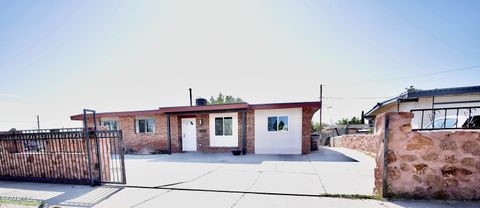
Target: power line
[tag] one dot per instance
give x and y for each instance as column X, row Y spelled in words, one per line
column 404, row 77
column 356, row 98
column 16, row 121
column 431, row 73
column 412, row 76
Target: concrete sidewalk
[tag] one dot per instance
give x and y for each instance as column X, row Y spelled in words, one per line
column 107, row 196
column 58, row 194
column 146, row 198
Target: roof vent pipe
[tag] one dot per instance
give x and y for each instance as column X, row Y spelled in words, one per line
column 191, row 101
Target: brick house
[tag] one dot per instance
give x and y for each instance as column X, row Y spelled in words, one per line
column 275, row 128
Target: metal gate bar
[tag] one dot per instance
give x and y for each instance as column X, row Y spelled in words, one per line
column 61, row 156
column 110, row 156
column 43, row 155
column 105, row 147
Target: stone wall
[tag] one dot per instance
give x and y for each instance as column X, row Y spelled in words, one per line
column 442, row 164
column 431, row 164
column 364, row 142
column 361, row 142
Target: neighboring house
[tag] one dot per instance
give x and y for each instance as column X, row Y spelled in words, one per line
column 340, row 129
column 277, row 128
column 434, row 100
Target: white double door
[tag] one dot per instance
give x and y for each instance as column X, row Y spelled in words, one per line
column 189, row 134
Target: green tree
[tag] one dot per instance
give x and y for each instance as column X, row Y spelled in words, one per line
column 411, row 89
column 317, row 128
column 222, row 99
column 346, row 121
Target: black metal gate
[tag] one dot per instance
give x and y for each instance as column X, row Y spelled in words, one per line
column 107, row 162
column 67, row 155
column 106, row 152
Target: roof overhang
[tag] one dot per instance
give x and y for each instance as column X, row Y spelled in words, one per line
column 444, row 91
column 414, row 95
column 205, row 108
column 406, row 100
column 235, row 107
column 316, row 104
column 190, row 110
column 372, row 111
column 116, row 114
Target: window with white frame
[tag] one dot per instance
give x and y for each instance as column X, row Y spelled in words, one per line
column 277, row 123
column 110, row 124
column 145, row 125
column 223, row 126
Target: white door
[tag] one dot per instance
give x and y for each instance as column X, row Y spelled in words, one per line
column 189, row 134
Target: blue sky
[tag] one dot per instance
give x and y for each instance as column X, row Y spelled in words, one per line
column 58, row 57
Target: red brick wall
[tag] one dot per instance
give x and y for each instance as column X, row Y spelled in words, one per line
column 307, row 114
column 150, row 142
column 250, row 131
column 90, row 122
column 175, row 132
column 143, row 142
column 203, row 135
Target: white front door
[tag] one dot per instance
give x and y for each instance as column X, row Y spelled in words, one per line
column 189, row 134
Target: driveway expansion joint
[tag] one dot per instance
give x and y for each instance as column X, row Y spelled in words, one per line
column 345, row 196
column 149, row 199
column 318, row 175
column 191, row 180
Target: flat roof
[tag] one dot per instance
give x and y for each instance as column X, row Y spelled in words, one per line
column 286, row 105
column 425, row 93
column 119, row 113
column 192, row 109
column 444, row 91
column 204, row 109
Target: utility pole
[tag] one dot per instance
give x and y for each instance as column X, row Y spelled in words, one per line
column 38, row 122
column 320, row 112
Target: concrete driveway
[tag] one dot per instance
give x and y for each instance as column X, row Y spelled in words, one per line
column 328, row 171
column 331, row 170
